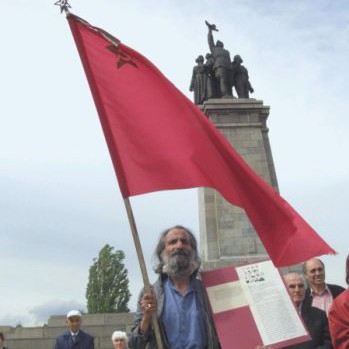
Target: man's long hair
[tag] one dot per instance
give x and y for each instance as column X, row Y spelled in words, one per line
column 158, row 260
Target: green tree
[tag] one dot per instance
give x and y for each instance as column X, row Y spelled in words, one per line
column 107, row 289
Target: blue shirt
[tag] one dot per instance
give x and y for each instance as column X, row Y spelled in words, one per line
column 183, row 318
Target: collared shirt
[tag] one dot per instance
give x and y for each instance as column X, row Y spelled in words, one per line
column 299, row 308
column 74, row 334
column 183, row 318
column 322, row 301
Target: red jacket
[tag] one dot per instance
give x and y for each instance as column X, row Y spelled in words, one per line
column 338, row 318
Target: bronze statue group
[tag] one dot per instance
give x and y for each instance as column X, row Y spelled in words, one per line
column 216, row 77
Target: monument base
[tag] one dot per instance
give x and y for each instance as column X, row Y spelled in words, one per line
column 227, row 237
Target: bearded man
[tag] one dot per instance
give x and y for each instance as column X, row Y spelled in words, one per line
column 178, row 298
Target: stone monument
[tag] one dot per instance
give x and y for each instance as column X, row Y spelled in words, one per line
column 217, row 77
column 226, row 235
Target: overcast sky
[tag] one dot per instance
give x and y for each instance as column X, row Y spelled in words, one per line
column 59, row 199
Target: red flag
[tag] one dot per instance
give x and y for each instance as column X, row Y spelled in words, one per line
column 158, row 140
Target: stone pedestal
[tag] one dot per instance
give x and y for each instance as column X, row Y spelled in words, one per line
column 227, row 236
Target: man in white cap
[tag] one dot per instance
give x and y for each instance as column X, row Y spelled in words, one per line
column 74, row 338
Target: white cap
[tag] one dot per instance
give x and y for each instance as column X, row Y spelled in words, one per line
column 73, row 313
column 119, row 334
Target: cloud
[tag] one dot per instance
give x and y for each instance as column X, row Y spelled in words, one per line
column 15, row 319
column 42, row 312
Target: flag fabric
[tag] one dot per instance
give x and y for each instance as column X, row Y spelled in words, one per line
column 159, row 140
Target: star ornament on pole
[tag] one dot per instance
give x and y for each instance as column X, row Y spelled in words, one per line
column 64, row 5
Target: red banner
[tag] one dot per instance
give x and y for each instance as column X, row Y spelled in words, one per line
column 158, row 140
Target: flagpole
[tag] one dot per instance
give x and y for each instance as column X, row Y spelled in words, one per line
column 64, row 6
column 147, row 285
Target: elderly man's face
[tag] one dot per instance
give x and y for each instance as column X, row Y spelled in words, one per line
column 178, row 256
column 119, row 343
column 296, row 288
column 175, row 240
column 74, row 323
column 315, row 272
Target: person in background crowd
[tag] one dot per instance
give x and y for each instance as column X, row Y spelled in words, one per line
column 119, row 340
column 74, row 338
column 319, row 294
column 2, row 341
column 314, row 319
column 338, row 317
column 178, row 298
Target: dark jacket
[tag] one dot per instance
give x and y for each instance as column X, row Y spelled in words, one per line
column 148, row 340
column 83, row 341
column 334, row 289
column 316, row 322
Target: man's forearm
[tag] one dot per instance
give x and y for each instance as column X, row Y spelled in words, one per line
column 145, row 324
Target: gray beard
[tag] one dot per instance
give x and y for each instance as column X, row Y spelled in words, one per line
column 181, row 263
